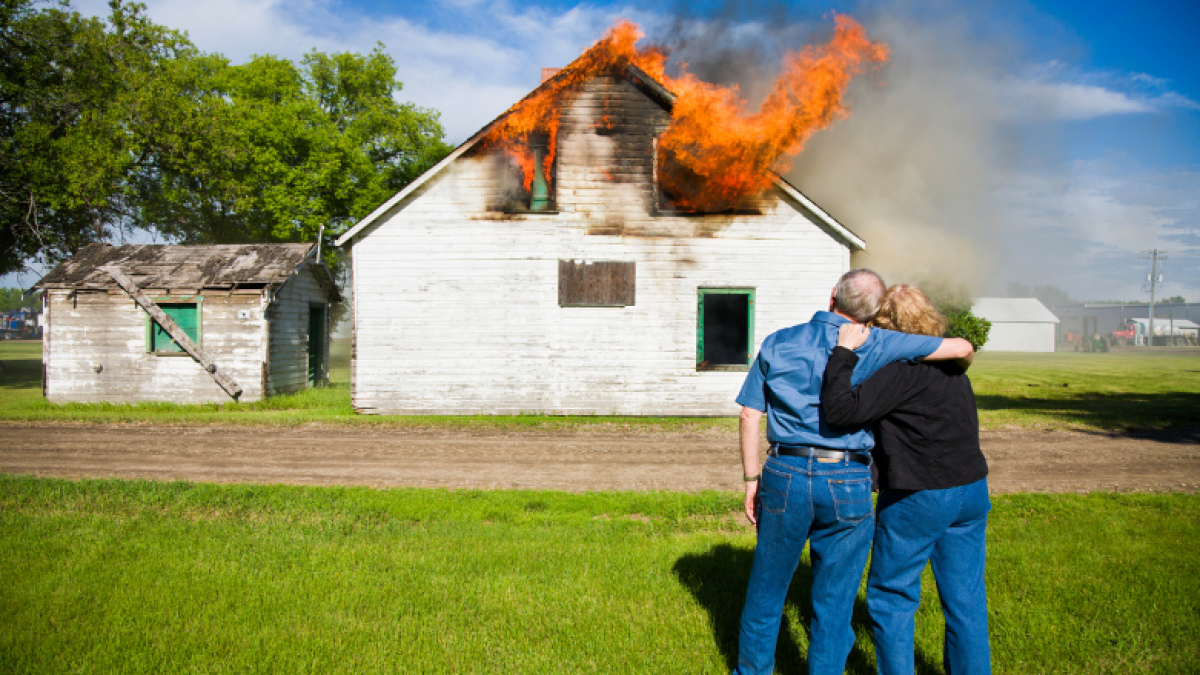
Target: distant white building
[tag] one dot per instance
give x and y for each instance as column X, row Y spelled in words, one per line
column 1018, row 324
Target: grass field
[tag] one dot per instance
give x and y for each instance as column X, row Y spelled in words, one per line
column 1144, row 389
column 134, row 577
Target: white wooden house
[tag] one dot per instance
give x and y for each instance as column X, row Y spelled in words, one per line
column 473, row 297
column 254, row 321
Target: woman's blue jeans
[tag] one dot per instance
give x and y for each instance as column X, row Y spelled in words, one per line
column 829, row 505
column 945, row 528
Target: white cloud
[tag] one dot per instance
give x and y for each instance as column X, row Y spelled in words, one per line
column 1085, row 230
column 1051, row 91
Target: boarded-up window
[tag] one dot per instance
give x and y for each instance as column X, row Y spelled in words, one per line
column 725, row 328
column 595, row 283
column 186, row 315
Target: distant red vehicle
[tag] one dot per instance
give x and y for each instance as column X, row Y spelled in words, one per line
column 1126, row 336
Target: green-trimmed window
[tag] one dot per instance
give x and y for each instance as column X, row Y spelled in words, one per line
column 725, row 328
column 186, row 315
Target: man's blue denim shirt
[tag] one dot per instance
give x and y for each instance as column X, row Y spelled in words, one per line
column 785, row 380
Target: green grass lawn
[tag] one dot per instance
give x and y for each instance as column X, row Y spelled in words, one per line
column 1151, row 389
column 139, row 577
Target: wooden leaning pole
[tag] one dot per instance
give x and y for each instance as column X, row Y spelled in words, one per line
column 168, row 324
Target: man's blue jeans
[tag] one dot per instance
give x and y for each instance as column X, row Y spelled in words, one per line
column 828, row 504
column 946, row 528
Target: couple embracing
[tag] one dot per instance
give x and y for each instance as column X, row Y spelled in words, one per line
column 823, row 386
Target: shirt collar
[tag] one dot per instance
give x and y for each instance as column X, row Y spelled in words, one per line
column 830, row 318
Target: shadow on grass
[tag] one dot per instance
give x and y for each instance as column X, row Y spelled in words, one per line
column 1112, row 411
column 21, row 374
column 718, row 581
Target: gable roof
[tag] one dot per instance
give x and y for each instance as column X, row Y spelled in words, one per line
column 648, row 85
column 1013, row 310
column 199, row 267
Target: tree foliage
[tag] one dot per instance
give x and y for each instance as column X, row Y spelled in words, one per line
column 70, row 123
column 1047, row 295
column 120, row 124
column 13, row 300
column 955, row 305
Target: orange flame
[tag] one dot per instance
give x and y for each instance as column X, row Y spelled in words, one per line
column 714, row 153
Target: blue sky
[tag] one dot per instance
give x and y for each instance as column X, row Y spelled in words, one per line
column 1042, row 142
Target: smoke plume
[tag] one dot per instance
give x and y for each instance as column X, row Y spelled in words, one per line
column 913, row 167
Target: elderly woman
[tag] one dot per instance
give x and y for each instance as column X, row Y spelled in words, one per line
column 933, row 502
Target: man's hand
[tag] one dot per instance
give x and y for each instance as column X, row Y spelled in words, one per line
column 751, row 503
column 749, row 438
column 852, row 335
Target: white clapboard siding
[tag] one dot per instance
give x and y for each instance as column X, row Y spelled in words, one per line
column 97, row 351
column 456, row 305
column 288, row 319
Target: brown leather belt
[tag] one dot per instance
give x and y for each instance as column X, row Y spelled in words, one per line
column 820, row 453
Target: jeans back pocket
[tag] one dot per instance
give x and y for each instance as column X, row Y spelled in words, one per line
column 851, row 498
column 773, row 490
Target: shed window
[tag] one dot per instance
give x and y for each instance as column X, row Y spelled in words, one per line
column 724, row 328
column 186, row 315
column 599, row 283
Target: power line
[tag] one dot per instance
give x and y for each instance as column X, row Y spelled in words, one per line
column 1154, row 256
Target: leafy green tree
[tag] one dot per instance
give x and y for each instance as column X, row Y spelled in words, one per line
column 10, row 300
column 119, row 124
column 71, row 90
column 1174, row 300
column 277, row 151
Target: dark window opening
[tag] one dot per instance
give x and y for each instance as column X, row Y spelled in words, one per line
column 538, row 194
column 186, row 315
column 725, row 330
column 316, row 345
column 588, row 283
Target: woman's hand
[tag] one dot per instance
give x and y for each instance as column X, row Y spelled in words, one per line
column 852, row 335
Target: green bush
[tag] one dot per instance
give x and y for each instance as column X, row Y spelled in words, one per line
column 955, row 305
column 971, row 328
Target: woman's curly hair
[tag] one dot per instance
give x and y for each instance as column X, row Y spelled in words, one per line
column 907, row 309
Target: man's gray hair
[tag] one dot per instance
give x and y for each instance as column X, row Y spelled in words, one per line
column 858, row 294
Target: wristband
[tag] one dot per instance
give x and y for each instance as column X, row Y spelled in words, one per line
column 751, row 479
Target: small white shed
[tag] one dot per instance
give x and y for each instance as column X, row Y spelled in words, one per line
column 186, row 324
column 1018, row 324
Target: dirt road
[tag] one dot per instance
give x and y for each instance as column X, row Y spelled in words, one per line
column 1020, row 460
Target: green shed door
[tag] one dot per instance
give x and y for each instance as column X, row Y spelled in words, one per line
column 316, row 344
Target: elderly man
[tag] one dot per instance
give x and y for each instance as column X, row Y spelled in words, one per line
column 816, row 483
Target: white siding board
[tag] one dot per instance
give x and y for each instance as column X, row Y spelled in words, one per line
column 109, row 331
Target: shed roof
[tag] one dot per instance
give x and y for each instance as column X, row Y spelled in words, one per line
column 168, row 266
column 1013, row 310
column 647, row 84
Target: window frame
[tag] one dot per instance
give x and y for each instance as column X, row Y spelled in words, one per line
column 163, row 302
column 701, row 293
column 517, row 199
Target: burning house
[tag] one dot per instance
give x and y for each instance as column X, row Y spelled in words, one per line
column 618, row 242
column 186, row 324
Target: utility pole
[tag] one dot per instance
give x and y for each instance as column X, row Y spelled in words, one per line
column 1154, row 255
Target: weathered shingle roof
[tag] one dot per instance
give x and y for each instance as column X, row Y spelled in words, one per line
column 165, row 266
